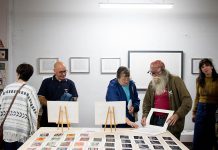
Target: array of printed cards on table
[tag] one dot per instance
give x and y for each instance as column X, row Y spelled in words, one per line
column 100, row 141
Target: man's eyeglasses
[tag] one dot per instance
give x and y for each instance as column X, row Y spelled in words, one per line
column 63, row 72
column 154, row 73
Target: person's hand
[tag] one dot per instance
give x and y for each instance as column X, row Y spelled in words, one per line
column 132, row 124
column 172, row 120
column 131, row 109
column 143, row 121
column 43, row 100
column 193, row 117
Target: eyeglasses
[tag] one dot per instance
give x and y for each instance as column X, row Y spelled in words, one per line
column 63, row 72
column 154, row 73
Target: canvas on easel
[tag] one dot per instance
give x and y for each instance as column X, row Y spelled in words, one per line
column 110, row 113
column 63, row 112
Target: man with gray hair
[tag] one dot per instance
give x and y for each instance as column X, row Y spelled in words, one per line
column 168, row 92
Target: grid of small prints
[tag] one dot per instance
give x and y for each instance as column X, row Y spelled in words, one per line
column 81, row 141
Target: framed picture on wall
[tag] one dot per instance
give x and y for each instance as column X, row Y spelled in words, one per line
column 46, row 65
column 194, row 65
column 139, row 65
column 110, row 65
column 3, row 54
column 79, row 64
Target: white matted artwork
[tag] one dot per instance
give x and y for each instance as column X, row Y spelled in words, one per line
column 71, row 107
column 79, row 64
column 155, row 129
column 101, row 110
column 46, row 65
column 195, row 65
column 139, row 65
column 110, row 65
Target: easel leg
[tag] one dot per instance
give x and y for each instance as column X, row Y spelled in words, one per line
column 59, row 117
column 106, row 118
column 111, row 120
column 68, row 124
column 62, row 121
column 114, row 119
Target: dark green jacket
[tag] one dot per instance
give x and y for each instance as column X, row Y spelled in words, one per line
column 180, row 101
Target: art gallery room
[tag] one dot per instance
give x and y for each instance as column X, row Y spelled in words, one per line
column 93, row 39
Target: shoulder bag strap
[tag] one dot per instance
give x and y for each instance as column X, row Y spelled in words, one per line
column 11, row 104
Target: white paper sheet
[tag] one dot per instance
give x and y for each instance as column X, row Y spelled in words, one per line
column 101, row 110
column 72, row 111
column 154, row 129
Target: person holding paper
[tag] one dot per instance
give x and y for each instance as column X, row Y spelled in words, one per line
column 168, row 92
column 124, row 89
column 56, row 88
column 205, row 106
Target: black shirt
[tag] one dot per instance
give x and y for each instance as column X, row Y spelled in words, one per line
column 52, row 89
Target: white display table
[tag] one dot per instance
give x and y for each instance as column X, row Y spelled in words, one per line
column 98, row 139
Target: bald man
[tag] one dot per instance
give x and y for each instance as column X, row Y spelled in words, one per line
column 56, row 88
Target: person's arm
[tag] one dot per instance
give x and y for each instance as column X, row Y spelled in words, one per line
column 73, row 91
column 43, row 100
column 43, row 92
column 135, row 98
column 184, row 98
column 112, row 93
column 143, row 121
column 147, row 102
column 33, row 111
column 195, row 102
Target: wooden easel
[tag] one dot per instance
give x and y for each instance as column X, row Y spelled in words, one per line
column 112, row 118
column 61, row 118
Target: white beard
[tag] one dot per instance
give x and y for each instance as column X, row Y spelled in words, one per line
column 159, row 84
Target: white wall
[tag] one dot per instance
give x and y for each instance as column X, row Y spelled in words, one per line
column 78, row 28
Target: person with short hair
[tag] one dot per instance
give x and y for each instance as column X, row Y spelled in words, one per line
column 205, row 106
column 123, row 88
column 21, row 121
column 56, row 88
column 166, row 91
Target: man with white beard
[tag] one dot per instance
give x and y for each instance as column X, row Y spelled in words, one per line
column 168, row 92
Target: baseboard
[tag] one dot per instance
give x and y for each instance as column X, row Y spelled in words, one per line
column 187, row 136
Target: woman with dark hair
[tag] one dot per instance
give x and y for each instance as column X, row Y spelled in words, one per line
column 205, row 106
column 124, row 89
column 21, row 121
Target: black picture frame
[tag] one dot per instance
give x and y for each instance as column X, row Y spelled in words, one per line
column 3, row 54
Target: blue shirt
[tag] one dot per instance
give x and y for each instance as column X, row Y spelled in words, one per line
column 126, row 90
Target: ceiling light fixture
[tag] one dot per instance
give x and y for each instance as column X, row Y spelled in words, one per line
column 149, row 5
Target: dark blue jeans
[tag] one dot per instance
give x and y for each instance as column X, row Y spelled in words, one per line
column 204, row 130
column 12, row 146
